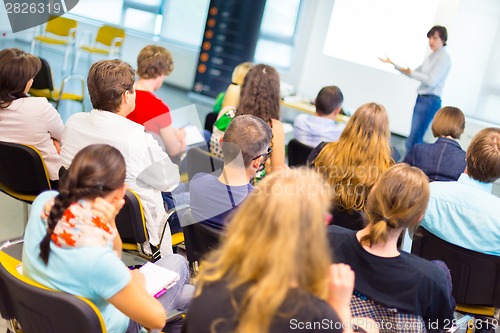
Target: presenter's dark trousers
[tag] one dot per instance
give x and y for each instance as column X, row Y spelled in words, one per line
column 426, row 107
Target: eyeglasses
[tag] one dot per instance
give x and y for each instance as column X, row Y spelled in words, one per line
column 267, row 153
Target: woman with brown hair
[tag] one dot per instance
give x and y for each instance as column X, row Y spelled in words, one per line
column 443, row 160
column 71, row 244
column 354, row 163
column 260, row 97
column 270, row 273
column 28, row 120
column 413, row 290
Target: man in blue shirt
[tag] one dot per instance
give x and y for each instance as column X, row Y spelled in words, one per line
column 465, row 213
column 312, row 130
column 245, row 145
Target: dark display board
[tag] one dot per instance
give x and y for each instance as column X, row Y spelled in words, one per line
column 230, row 38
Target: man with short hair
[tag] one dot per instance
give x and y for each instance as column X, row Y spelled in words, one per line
column 245, row 145
column 312, row 130
column 465, row 213
column 149, row 169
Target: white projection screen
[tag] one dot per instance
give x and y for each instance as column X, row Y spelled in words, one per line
column 362, row 30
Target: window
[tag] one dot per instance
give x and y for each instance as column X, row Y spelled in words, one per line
column 277, row 32
column 183, row 21
column 109, row 11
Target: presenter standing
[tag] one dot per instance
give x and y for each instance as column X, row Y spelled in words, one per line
column 432, row 75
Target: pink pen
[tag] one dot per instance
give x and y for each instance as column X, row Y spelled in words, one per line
column 161, row 292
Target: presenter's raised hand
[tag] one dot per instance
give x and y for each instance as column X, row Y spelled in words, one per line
column 387, row 60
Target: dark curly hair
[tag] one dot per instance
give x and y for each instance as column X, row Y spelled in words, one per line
column 96, row 171
column 260, row 93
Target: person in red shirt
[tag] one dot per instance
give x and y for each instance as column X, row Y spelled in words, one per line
column 153, row 64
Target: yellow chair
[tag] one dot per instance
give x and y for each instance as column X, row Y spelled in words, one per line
column 58, row 31
column 43, row 86
column 108, row 42
column 31, row 307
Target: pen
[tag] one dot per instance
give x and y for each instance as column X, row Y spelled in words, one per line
column 161, row 292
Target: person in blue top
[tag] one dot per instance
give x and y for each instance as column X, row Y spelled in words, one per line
column 432, row 75
column 443, row 160
column 311, row 130
column 465, row 212
column 245, row 146
column 71, row 244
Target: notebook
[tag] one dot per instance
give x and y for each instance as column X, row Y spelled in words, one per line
column 193, row 135
column 158, row 279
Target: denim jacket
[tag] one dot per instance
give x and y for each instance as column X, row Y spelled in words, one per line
column 443, row 160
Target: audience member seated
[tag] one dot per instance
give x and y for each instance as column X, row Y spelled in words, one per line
column 260, row 97
column 28, row 120
column 444, row 160
column 413, row 290
column 465, row 213
column 270, row 273
column 149, row 169
column 354, row 163
column 312, row 130
column 245, row 145
column 153, row 64
column 231, row 96
column 71, row 244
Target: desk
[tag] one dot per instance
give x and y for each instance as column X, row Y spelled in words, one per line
column 304, row 107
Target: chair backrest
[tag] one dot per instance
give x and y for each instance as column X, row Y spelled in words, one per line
column 23, row 174
column 43, row 79
column 199, row 238
column 475, row 275
column 298, row 153
column 106, row 34
column 61, row 26
column 199, row 160
column 39, row 309
column 130, row 221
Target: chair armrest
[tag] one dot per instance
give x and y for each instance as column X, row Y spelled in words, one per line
column 72, row 34
column 6, row 244
column 86, row 34
column 114, row 45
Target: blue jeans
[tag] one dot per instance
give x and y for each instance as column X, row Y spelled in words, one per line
column 425, row 108
column 178, row 296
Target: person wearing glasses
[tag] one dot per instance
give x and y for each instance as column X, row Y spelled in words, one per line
column 246, row 146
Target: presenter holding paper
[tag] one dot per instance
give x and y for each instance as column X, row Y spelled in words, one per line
column 432, row 75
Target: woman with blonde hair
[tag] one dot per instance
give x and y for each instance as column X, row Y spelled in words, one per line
column 443, row 160
column 354, row 163
column 271, row 272
column 232, row 94
column 414, row 290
